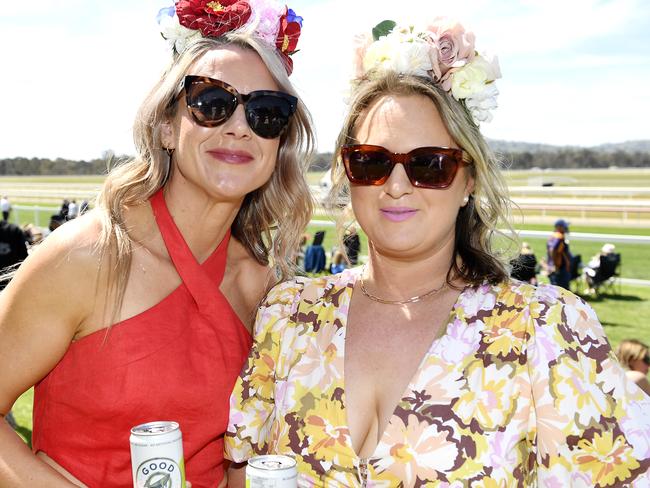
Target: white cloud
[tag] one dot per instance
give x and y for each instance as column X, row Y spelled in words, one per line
column 76, row 71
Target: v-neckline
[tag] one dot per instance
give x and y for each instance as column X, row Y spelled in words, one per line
column 413, row 380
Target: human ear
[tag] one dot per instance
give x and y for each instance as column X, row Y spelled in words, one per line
column 167, row 134
column 469, row 189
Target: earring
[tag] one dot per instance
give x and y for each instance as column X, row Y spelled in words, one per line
column 465, row 200
column 168, row 169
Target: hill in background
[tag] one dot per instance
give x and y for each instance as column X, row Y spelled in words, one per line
column 502, row 146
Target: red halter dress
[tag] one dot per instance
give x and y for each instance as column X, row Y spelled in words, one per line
column 177, row 361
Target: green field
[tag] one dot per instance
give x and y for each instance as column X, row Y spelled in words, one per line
column 618, row 177
column 57, row 180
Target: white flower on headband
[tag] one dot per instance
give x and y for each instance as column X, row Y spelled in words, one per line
column 399, row 51
column 481, row 104
column 443, row 52
column 176, row 35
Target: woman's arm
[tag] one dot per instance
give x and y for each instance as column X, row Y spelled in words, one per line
column 40, row 312
column 590, row 424
column 237, row 475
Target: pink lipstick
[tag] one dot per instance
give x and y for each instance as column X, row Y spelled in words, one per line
column 231, row 156
column 398, row 214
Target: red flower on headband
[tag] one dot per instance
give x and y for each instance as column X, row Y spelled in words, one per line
column 213, row 18
column 289, row 32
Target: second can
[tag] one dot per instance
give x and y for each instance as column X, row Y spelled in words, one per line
column 271, row 471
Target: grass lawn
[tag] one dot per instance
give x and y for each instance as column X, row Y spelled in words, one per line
column 628, row 230
column 630, row 177
column 98, row 179
column 22, row 412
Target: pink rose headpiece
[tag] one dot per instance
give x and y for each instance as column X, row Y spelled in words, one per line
column 273, row 23
column 443, row 51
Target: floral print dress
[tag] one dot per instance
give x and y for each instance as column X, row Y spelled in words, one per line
column 522, row 389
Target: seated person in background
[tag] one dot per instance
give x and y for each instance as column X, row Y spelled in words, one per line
column 13, row 246
column 634, row 356
column 593, row 267
column 315, row 254
column 338, row 263
column 352, row 245
column 524, row 266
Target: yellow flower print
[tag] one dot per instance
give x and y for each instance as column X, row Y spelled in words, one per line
column 608, row 459
column 417, row 449
column 327, row 439
column 488, row 482
column 321, row 365
column 263, row 376
column 488, row 398
column 577, row 392
column 507, row 335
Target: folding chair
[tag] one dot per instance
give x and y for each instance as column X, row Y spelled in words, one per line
column 608, row 274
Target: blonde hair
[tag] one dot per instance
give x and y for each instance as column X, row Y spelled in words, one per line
column 488, row 206
column 271, row 218
column 630, row 350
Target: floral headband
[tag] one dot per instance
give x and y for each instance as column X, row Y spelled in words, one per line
column 276, row 25
column 443, row 51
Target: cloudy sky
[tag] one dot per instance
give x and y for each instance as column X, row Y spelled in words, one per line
column 574, row 72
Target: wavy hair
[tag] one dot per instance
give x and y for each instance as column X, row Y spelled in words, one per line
column 489, row 203
column 630, row 350
column 271, row 219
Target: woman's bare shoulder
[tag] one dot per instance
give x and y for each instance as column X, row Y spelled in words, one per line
column 73, row 246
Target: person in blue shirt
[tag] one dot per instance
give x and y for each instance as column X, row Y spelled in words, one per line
column 315, row 254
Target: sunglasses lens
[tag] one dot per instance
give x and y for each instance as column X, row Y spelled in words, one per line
column 431, row 169
column 367, row 166
column 646, row 360
column 210, row 105
column 268, row 115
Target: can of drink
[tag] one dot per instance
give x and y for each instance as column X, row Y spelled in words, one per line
column 157, row 455
column 272, row 471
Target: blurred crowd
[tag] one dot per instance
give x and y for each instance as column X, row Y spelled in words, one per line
column 313, row 258
column 564, row 267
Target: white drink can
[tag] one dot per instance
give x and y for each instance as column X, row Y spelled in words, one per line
column 272, row 471
column 157, row 455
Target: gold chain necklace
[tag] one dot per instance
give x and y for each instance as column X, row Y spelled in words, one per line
column 414, row 299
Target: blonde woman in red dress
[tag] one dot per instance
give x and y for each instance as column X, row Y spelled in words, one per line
column 141, row 309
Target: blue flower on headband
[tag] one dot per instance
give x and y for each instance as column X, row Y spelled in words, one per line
column 292, row 17
column 165, row 12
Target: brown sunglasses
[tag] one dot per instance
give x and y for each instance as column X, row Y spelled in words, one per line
column 426, row 167
column 211, row 102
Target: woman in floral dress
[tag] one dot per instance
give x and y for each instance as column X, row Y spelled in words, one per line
column 429, row 365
